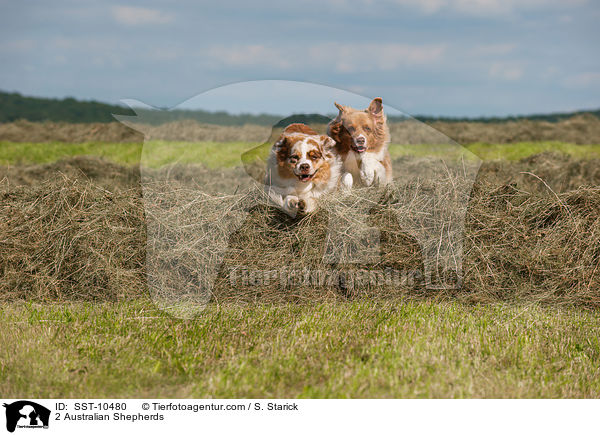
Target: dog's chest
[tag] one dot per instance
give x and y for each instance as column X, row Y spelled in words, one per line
column 352, row 163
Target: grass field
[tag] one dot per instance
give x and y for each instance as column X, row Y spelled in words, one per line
column 361, row 349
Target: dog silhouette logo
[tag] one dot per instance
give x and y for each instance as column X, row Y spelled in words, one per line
column 26, row 414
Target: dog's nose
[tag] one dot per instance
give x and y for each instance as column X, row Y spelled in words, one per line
column 304, row 167
column 360, row 140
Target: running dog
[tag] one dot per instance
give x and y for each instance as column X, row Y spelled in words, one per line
column 302, row 167
column 362, row 138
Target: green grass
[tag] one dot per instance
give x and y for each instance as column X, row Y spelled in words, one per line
column 361, row 349
column 210, row 154
column 229, row 154
column 13, row 153
column 155, row 153
column 521, row 150
column 515, row 151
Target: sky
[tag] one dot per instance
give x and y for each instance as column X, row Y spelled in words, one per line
column 425, row 57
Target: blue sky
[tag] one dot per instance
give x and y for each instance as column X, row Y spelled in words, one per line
column 434, row 57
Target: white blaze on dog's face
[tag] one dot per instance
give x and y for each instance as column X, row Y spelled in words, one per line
column 304, row 156
column 364, row 127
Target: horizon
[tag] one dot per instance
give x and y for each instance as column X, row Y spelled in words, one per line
column 140, row 105
column 439, row 58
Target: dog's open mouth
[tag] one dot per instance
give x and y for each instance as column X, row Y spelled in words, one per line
column 359, row 148
column 306, row 177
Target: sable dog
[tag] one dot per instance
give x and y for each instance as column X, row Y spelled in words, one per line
column 362, row 138
column 302, row 167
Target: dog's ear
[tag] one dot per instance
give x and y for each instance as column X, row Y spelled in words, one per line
column 333, row 130
column 281, row 147
column 376, row 107
column 339, row 106
column 327, row 145
column 327, row 142
column 281, row 142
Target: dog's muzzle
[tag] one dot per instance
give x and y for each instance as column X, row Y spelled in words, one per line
column 305, row 177
column 359, row 144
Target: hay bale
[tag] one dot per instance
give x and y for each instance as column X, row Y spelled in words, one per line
column 75, row 237
column 523, row 246
column 84, row 168
column 581, row 129
column 26, row 131
column 70, row 239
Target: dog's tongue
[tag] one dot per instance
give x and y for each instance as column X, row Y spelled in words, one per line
column 360, row 148
column 304, row 177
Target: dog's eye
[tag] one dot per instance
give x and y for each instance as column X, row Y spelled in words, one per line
column 367, row 128
column 293, row 159
column 351, row 129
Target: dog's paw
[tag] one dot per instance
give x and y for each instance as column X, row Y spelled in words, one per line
column 302, row 206
column 291, row 205
column 367, row 176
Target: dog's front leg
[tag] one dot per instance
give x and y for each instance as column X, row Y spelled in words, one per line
column 286, row 203
column 307, row 205
column 367, row 172
column 380, row 174
column 291, row 205
column 347, row 181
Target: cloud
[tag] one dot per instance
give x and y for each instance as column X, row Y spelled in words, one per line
column 137, row 16
column 343, row 58
column 505, row 71
column 505, row 7
column 350, row 58
column 425, row 6
column 251, row 55
column 549, row 72
column 481, row 7
column 492, row 49
column 16, row 46
column 583, row 80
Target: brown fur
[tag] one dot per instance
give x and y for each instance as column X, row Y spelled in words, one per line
column 285, row 144
column 302, row 167
column 299, row 128
column 323, row 175
column 370, row 123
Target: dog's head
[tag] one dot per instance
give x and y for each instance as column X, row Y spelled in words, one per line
column 362, row 129
column 303, row 153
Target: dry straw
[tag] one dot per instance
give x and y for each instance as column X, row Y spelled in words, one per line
column 583, row 129
column 69, row 232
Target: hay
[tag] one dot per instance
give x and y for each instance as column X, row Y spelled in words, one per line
column 26, row 131
column 528, row 238
column 529, row 247
column 583, row 129
column 559, row 171
column 84, row 168
column 70, row 239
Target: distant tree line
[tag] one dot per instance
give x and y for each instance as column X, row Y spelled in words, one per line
column 14, row 106
column 549, row 117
